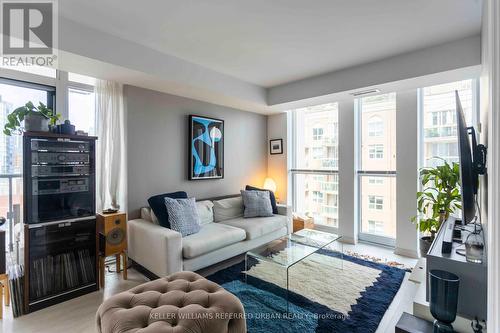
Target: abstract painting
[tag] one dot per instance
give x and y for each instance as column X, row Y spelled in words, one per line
column 206, row 148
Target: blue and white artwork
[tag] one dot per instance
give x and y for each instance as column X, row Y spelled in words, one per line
column 206, row 148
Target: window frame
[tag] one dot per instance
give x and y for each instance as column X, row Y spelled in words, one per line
column 376, row 205
column 377, row 132
column 317, row 136
column 378, row 151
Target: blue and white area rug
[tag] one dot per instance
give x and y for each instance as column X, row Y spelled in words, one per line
column 327, row 294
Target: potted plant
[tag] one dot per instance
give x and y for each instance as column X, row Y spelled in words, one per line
column 440, row 196
column 36, row 118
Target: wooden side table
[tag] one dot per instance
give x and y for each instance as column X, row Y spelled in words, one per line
column 112, row 230
column 302, row 222
column 4, row 292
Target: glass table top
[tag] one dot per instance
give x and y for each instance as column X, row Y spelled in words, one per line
column 289, row 250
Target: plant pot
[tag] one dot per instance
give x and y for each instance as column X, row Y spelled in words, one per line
column 36, row 122
column 425, row 245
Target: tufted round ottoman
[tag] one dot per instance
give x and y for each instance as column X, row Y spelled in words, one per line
column 181, row 302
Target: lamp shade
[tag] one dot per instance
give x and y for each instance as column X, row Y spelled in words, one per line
column 270, row 184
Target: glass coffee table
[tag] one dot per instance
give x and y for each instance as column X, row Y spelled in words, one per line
column 291, row 249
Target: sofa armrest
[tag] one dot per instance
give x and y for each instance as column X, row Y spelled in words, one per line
column 283, row 209
column 286, row 211
column 154, row 247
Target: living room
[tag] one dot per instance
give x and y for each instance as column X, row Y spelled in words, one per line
column 232, row 166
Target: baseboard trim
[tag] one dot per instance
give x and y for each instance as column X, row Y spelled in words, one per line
column 143, row 270
column 349, row 240
column 406, row 252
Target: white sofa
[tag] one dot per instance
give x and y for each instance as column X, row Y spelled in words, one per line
column 224, row 234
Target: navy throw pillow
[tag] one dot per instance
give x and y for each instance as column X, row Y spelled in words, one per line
column 271, row 196
column 157, row 204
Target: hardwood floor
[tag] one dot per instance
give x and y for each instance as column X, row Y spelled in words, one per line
column 78, row 315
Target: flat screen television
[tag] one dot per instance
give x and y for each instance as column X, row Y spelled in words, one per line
column 472, row 160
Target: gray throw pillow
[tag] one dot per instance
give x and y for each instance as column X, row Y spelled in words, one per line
column 183, row 215
column 257, row 203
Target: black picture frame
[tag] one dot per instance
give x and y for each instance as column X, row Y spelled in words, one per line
column 218, row 168
column 276, row 146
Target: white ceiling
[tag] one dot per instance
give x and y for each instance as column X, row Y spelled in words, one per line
column 271, row 42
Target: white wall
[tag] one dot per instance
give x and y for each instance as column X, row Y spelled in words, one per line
column 157, row 145
column 277, row 167
column 490, row 103
column 407, row 172
column 348, row 226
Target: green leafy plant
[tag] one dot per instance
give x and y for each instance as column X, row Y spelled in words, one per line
column 440, row 193
column 15, row 118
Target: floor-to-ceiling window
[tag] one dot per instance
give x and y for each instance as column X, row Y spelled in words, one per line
column 376, row 170
column 81, row 102
column 315, row 163
column 14, row 94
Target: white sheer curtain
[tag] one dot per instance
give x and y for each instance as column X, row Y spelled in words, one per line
column 111, row 169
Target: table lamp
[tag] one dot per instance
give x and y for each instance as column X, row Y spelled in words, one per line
column 269, row 184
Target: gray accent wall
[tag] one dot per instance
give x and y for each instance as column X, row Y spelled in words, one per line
column 157, row 147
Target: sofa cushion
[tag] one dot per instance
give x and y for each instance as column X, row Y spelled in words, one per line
column 157, row 204
column 272, row 197
column 227, row 209
column 205, row 211
column 258, row 226
column 183, row 215
column 211, row 237
column 257, row 204
column 148, row 215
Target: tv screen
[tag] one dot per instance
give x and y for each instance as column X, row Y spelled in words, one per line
column 468, row 176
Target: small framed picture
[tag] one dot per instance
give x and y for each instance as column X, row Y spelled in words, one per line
column 276, row 146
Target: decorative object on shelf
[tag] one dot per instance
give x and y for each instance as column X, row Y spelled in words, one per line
column 36, row 119
column 206, row 148
column 80, row 132
column 302, row 222
column 474, row 245
column 112, row 230
column 110, row 211
column 64, row 128
column 276, row 146
column 440, row 196
column 443, row 299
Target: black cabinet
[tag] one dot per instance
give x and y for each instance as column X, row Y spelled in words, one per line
column 59, row 214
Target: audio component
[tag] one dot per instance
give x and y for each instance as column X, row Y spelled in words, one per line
column 59, row 170
column 60, row 145
column 113, row 233
column 59, row 186
column 112, row 230
column 59, row 158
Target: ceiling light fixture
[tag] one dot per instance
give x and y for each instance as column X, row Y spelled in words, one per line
column 364, row 92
